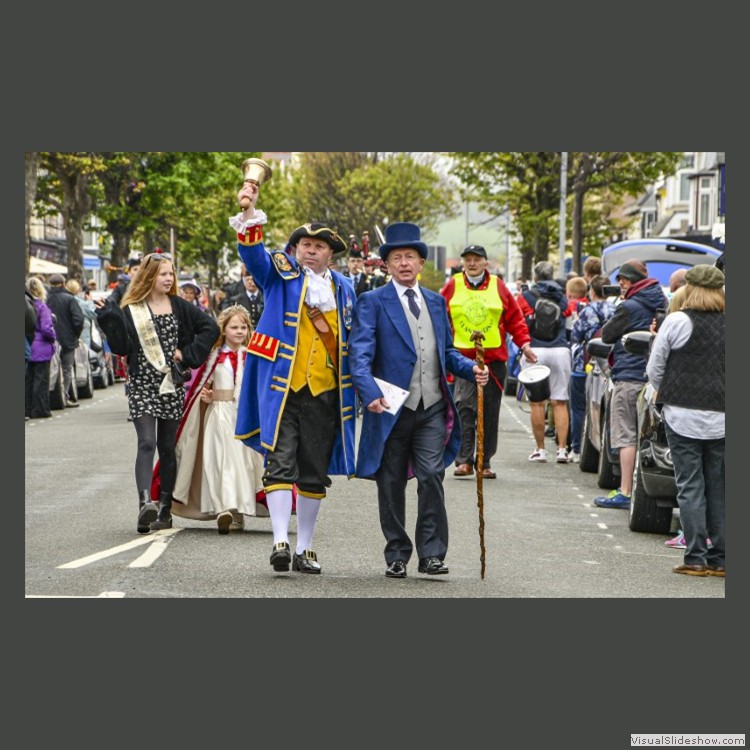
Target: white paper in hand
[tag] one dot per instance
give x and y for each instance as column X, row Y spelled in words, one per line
column 394, row 395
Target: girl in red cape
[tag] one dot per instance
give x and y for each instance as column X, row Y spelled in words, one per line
column 218, row 477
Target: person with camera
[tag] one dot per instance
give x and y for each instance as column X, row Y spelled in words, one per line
column 162, row 336
column 642, row 296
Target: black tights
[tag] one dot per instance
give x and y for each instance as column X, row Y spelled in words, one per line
column 148, row 442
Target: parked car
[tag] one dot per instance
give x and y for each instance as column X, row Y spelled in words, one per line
column 596, row 454
column 83, row 376
column 654, row 495
column 662, row 256
column 100, row 358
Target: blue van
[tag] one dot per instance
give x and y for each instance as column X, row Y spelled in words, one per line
column 662, row 256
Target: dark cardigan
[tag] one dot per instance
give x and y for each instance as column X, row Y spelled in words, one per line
column 197, row 332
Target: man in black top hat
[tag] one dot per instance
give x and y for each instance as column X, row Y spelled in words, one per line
column 401, row 335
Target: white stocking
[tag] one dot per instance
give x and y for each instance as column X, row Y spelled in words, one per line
column 280, row 509
column 307, row 515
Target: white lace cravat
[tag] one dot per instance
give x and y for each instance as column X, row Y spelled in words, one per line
column 319, row 291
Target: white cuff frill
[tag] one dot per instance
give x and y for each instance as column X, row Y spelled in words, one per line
column 239, row 226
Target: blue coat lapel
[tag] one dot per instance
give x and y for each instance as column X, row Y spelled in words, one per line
column 395, row 310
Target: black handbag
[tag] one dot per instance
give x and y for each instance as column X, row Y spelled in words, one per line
column 180, row 373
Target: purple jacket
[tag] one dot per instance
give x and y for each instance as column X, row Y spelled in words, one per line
column 43, row 345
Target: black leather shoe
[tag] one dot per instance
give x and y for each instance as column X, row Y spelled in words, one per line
column 307, row 562
column 281, row 556
column 433, row 566
column 397, row 569
column 147, row 512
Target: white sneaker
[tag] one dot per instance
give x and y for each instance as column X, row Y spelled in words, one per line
column 574, row 458
column 539, row 455
column 562, row 456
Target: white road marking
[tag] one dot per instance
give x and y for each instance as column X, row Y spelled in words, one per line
column 103, row 595
column 150, row 539
column 591, row 562
column 153, row 552
column 602, row 525
column 526, row 426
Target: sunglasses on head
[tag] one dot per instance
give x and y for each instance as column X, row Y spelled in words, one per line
column 158, row 256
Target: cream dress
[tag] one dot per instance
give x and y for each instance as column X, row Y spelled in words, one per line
column 216, row 472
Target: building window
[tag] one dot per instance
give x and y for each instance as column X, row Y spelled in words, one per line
column 648, row 219
column 684, row 187
column 705, row 203
column 54, row 229
column 688, row 161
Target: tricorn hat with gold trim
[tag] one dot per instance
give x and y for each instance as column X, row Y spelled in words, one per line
column 321, row 231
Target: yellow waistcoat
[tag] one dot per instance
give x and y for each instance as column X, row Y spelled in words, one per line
column 312, row 366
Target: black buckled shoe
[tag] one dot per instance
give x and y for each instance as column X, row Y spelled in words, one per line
column 433, row 566
column 397, row 569
column 281, row 556
column 307, row 562
column 164, row 513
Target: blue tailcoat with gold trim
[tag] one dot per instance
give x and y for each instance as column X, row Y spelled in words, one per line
column 273, row 347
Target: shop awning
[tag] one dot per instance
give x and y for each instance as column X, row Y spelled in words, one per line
column 37, row 265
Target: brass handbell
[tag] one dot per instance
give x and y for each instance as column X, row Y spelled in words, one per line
column 257, row 171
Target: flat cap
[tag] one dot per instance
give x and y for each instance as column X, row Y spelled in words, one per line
column 706, row 276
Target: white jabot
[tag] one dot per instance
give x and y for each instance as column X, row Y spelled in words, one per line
column 240, row 226
column 319, row 290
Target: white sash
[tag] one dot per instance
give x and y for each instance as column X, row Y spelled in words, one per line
column 144, row 325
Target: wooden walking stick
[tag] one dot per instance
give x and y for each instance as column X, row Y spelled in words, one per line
column 477, row 337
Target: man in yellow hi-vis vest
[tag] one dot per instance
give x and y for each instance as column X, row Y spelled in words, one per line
column 479, row 301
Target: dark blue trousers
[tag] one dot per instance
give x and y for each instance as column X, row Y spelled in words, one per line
column 416, row 443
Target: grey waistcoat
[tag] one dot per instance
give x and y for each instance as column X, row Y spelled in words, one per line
column 425, row 380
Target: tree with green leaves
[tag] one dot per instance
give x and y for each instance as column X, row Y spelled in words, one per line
column 32, row 159
column 63, row 187
column 528, row 185
column 355, row 191
column 615, row 174
column 117, row 194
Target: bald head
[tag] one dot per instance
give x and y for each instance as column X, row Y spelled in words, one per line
column 677, row 279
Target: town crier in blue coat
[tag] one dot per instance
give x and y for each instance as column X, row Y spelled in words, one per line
column 297, row 401
column 401, row 335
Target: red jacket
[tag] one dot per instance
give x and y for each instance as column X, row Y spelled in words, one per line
column 511, row 321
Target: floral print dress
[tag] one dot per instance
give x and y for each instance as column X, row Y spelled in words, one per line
column 143, row 387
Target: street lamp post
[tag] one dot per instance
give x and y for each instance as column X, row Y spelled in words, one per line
column 563, row 189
